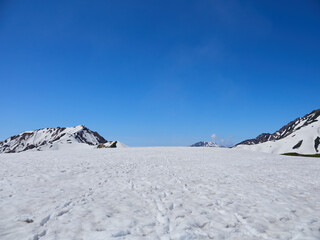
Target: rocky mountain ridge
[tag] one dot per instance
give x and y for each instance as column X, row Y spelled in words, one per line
column 301, row 135
column 204, row 144
column 50, row 138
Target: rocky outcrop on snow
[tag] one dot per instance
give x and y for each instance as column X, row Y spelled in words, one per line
column 51, row 138
column 112, row 144
column 300, row 136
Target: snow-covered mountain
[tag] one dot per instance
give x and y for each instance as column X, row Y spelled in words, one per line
column 51, row 138
column 300, row 136
column 204, row 144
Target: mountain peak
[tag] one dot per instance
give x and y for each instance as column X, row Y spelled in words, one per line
column 204, row 144
column 50, row 138
column 301, row 135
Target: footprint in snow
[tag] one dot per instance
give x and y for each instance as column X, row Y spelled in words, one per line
column 45, row 220
column 62, row 212
column 39, row 235
column 121, row 234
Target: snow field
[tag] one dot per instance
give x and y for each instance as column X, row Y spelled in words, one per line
column 158, row 193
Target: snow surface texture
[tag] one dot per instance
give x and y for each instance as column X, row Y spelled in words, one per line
column 301, row 136
column 51, row 139
column 204, row 144
column 158, row 193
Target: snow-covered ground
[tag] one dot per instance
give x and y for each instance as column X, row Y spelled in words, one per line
column 158, row 193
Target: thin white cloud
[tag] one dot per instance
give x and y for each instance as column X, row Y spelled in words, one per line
column 213, row 137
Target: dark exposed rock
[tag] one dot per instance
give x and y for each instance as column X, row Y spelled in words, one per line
column 260, row 139
column 111, row 144
column 316, row 144
column 297, row 145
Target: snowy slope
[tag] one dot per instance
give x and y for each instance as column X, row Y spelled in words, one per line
column 51, row 138
column 158, row 193
column 301, row 136
column 204, row 144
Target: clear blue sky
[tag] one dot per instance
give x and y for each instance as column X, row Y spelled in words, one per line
column 152, row 73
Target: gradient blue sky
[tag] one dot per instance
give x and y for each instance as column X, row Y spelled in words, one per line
column 152, row 73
